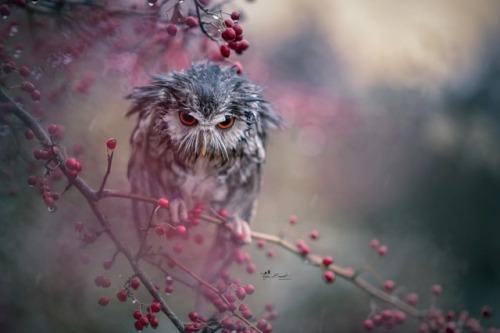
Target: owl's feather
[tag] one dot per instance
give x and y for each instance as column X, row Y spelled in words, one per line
column 167, row 157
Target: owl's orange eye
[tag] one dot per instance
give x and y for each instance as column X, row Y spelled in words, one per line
column 186, row 119
column 227, row 123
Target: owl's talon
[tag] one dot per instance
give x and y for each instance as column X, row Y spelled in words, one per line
column 241, row 230
column 178, row 211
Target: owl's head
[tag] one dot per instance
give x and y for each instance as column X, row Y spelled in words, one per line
column 206, row 111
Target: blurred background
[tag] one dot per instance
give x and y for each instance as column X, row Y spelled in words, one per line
column 393, row 133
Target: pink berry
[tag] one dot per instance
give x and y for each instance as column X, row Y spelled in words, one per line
column 368, row 324
column 389, row 285
column 135, row 284
column 178, row 248
column 327, row 261
column 314, row 234
column 374, row 243
column 436, row 289
column 52, row 129
column 111, row 143
column 107, row 264
column 72, row 163
column 172, row 29
column 399, row 316
column 103, row 300
column 486, row 312
column 293, row 219
column 180, row 229
column 191, row 21
column 235, row 16
column 24, row 71
column 238, row 66
column 193, row 315
column 251, row 268
column 412, row 299
column 240, row 293
column 198, row 239
column 28, row 134
column 32, row 180
column 225, row 51
column 382, row 250
column 223, row 213
column 27, row 86
column 122, row 295
column 249, row 289
column 329, row 276
column 36, row 95
column 262, row 324
column 163, row 202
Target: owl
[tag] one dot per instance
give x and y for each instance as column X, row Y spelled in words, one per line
column 200, row 138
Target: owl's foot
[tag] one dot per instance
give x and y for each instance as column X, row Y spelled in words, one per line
column 240, row 230
column 178, row 211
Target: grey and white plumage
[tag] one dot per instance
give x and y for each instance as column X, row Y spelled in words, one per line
column 182, row 150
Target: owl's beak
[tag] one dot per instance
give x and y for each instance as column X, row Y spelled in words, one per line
column 203, row 145
column 203, row 148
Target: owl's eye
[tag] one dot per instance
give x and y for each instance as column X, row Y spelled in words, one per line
column 227, row 123
column 186, row 119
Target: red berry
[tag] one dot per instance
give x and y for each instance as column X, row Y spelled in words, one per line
column 262, row 324
column 191, row 21
column 329, row 276
column 24, row 71
column 228, row 23
column 4, row 10
column 27, row 86
column 399, row 316
column 242, row 45
column 111, row 143
column 169, row 289
column 314, row 234
column 193, row 315
column 122, row 295
column 228, row 34
column 235, row 16
column 237, row 29
column 154, row 322
column 138, row 325
column 72, row 163
column 107, row 264
column 389, row 285
column 327, row 261
column 172, row 29
column 103, row 300
column 155, row 306
column 28, row 134
column 163, row 202
column 52, row 129
column 32, row 180
column 225, row 51
column 135, row 284
column 36, row 95
column 137, row 314
column 486, row 312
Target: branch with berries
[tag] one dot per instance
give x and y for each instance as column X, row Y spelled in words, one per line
column 226, row 291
